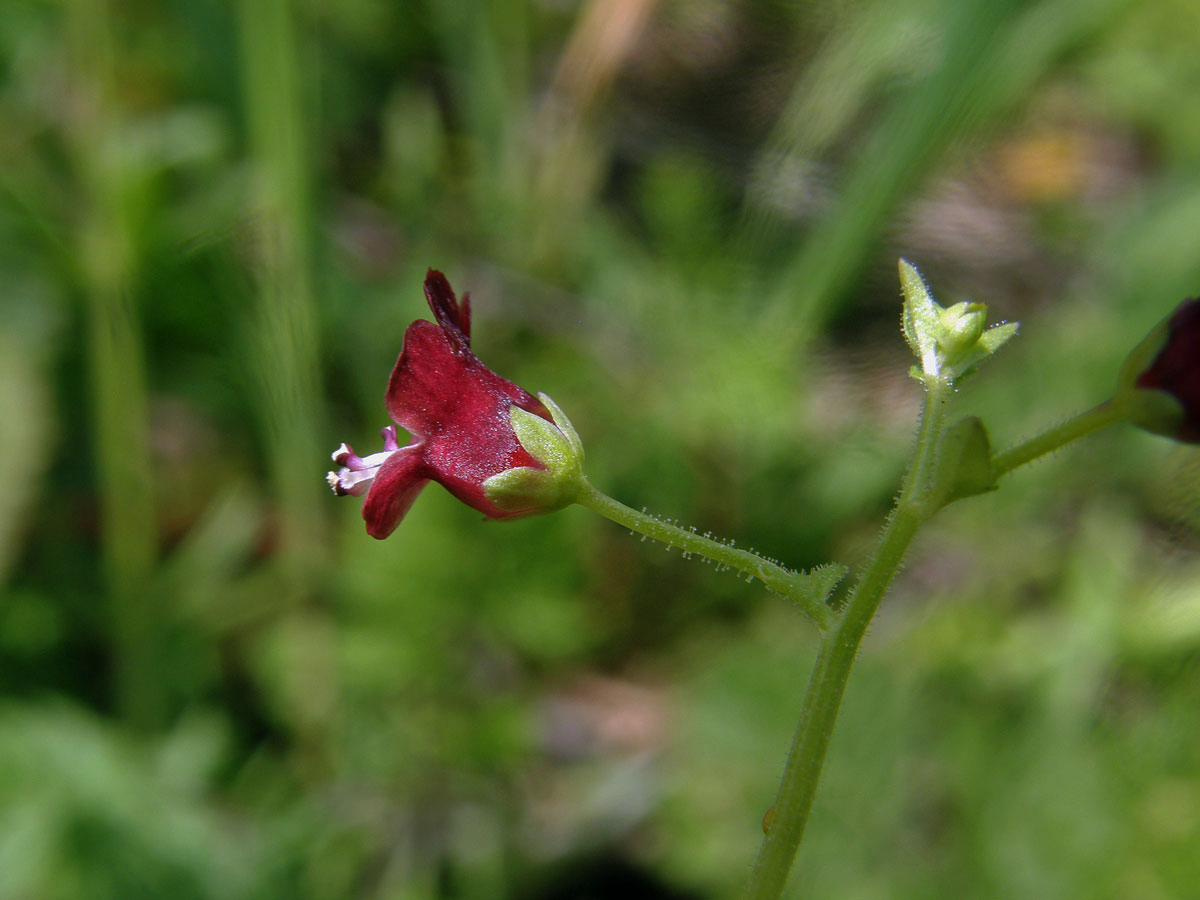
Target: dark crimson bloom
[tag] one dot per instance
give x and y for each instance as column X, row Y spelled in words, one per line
column 465, row 429
column 1161, row 378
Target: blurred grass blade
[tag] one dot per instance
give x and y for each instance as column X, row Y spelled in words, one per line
column 283, row 345
column 872, row 43
column 200, row 572
column 992, row 54
column 26, row 425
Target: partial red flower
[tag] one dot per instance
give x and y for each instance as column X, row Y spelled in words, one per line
column 458, row 412
column 1163, row 394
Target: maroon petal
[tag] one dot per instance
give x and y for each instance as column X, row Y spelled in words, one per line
column 438, row 383
column 396, row 485
column 454, row 319
column 428, row 376
column 463, row 456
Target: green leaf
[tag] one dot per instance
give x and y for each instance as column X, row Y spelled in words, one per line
column 964, row 466
column 816, row 586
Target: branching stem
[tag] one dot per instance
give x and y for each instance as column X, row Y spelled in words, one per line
column 841, row 630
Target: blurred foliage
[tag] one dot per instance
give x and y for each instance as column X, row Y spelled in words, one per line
column 681, row 220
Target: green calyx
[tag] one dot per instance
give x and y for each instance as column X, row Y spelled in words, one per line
column 949, row 341
column 1151, row 410
column 556, row 447
column 1156, row 411
column 1142, row 356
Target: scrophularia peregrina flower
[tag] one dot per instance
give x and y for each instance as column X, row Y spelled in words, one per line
column 490, row 443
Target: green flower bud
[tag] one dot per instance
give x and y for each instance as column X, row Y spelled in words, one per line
column 949, row 342
column 959, row 329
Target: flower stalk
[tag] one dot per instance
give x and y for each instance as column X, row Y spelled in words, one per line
column 808, row 590
column 1107, row 413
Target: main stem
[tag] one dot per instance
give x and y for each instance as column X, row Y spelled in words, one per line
column 835, row 658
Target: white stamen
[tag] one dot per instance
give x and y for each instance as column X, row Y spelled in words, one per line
column 358, row 472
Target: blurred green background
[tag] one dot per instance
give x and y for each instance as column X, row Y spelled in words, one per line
column 681, row 220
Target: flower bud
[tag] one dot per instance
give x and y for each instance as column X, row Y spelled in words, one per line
column 949, row 341
column 1159, row 384
column 961, row 326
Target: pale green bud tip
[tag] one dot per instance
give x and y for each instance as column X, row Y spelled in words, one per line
column 960, row 327
column 556, row 447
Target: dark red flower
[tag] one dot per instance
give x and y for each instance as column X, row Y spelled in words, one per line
column 460, row 416
column 1163, row 395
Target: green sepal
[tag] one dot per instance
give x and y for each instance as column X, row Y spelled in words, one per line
column 1152, row 410
column 964, row 462
column 989, row 342
column 564, row 425
column 527, row 488
column 1142, row 356
column 920, row 318
column 541, row 439
column 558, row 450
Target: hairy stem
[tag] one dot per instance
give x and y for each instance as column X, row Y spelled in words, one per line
column 1085, row 423
column 835, row 658
column 776, row 578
